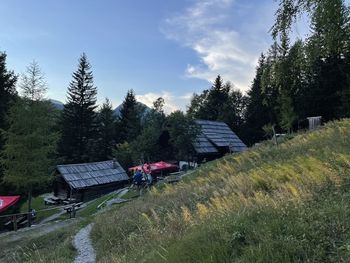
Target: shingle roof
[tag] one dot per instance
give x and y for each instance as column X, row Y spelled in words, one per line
column 216, row 134
column 89, row 174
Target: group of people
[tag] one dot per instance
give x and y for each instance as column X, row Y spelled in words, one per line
column 141, row 176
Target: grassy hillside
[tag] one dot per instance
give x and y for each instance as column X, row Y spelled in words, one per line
column 270, row 204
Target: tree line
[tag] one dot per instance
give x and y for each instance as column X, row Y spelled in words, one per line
column 35, row 136
column 293, row 80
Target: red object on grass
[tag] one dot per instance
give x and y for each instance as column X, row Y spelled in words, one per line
column 7, row 201
column 156, row 167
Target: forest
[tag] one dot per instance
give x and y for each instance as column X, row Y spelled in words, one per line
column 294, row 79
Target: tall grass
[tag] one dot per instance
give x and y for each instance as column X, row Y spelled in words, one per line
column 251, row 207
column 53, row 247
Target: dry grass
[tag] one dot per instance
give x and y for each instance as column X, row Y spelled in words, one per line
column 266, row 178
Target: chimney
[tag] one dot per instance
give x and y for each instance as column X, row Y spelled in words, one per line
column 114, row 163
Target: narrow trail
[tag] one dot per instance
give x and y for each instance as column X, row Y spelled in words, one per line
column 53, row 217
column 83, row 244
column 82, row 241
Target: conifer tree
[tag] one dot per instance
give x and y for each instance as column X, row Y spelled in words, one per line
column 130, row 119
column 218, row 95
column 7, row 89
column 7, row 95
column 256, row 115
column 78, row 123
column 30, row 140
column 106, row 131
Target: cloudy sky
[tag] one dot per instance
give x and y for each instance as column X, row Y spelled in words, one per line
column 168, row 48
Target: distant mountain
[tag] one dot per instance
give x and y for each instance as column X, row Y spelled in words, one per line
column 57, row 104
column 142, row 108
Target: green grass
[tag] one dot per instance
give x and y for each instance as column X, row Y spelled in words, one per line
column 131, row 194
column 38, row 204
column 270, row 204
column 91, row 207
column 53, row 247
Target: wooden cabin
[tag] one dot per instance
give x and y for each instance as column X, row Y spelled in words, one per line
column 215, row 140
column 85, row 181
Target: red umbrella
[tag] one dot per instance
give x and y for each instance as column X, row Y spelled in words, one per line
column 7, row 201
column 156, row 167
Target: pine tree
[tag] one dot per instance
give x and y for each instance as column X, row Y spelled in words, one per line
column 130, row 120
column 217, row 97
column 30, row 140
column 78, row 123
column 7, row 89
column 233, row 108
column 106, row 131
column 7, row 96
column 256, row 115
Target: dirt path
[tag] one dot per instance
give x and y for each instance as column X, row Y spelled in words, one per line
column 82, row 243
column 54, row 216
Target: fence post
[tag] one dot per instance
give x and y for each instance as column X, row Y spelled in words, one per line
column 14, row 218
column 29, row 217
column 73, row 210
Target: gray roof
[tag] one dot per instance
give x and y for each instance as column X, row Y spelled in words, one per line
column 216, row 134
column 90, row 174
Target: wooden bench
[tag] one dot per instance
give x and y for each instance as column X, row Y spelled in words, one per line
column 48, row 201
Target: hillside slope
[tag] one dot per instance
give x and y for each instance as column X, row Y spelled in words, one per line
column 270, row 204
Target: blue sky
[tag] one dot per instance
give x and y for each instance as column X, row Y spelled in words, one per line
column 157, row 48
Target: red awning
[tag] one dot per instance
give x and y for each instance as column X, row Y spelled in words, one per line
column 156, row 167
column 7, row 201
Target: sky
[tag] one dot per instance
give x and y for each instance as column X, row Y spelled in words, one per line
column 168, row 48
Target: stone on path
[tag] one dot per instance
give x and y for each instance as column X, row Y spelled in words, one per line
column 82, row 243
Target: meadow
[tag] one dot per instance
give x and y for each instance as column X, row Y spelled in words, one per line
column 285, row 203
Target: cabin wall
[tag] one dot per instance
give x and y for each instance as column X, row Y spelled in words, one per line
column 61, row 188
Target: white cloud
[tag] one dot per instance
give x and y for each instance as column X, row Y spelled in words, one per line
column 207, row 27
column 171, row 102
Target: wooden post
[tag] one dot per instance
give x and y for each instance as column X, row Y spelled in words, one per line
column 73, row 208
column 14, row 218
column 274, row 134
column 29, row 217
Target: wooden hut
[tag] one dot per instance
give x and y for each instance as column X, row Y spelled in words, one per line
column 215, row 140
column 85, row 181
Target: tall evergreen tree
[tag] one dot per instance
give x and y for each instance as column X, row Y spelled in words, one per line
column 257, row 112
column 78, row 123
column 7, row 95
column 233, row 108
column 106, row 131
column 130, row 119
column 30, row 140
column 216, row 99
column 7, row 89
